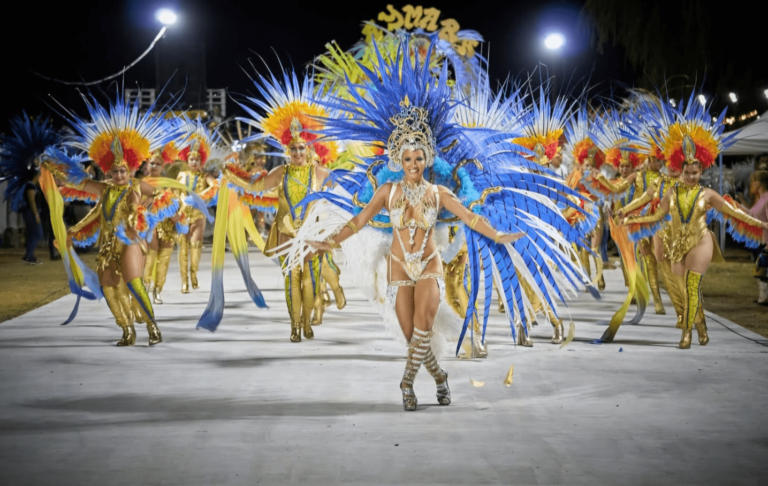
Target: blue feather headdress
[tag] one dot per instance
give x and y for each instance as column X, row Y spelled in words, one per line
column 28, row 140
column 478, row 163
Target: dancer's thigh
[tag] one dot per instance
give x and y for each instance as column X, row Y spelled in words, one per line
column 404, row 309
column 699, row 258
column 133, row 262
column 426, row 303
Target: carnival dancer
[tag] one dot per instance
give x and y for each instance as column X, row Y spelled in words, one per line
column 119, row 140
column 195, row 155
column 646, row 180
column 19, row 167
column 614, row 194
column 166, row 232
column 651, row 113
column 292, row 121
column 409, row 109
column 586, row 157
column 692, row 143
column 543, row 130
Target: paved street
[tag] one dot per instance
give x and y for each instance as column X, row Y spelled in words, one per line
column 246, row 406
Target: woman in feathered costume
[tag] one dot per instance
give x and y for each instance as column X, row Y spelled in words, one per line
column 691, row 144
column 292, row 119
column 119, row 139
column 166, row 233
column 587, row 156
column 410, row 111
column 196, row 154
column 19, row 167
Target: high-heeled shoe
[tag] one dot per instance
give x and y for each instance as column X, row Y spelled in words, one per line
column 410, row 402
column 443, row 392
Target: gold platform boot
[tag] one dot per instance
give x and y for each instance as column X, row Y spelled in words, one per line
column 652, row 274
column 143, row 308
column 523, row 339
column 692, row 305
column 149, row 270
column 701, row 324
column 184, row 263
column 479, row 349
column 309, row 299
column 330, row 273
column 161, row 272
column 195, row 252
column 293, row 299
column 674, row 285
column 599, row 269
column 119, row 301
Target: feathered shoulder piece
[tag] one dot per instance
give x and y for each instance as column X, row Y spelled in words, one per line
column 18, row 153
column 119, row 134
column 544, row 126
column 289, row 114
column 692, row 136
column 581, row 136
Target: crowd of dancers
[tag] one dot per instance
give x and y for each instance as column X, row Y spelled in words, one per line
column 430, row 186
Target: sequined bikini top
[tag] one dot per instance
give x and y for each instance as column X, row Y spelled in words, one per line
column 417, row 198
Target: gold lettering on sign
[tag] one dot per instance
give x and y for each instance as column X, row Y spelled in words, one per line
column 429, row 20
column 422, row 18
column 394, row 19
column 449, row 30
column 412, row 16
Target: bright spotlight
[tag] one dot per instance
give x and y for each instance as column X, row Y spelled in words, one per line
column 732, row 96
column 702, row 99
column 554, row 41
column 766, row 93
column 165, row 16
column 672, row 102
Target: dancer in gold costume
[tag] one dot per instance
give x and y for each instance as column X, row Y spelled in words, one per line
column 691, row 141
column 191, row 244
column 293, row 122
column 160, row 246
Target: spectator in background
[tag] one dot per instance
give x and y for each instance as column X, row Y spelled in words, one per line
column 32, row 221
column 759, row 189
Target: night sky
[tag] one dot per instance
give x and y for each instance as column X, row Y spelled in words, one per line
column 96, row 39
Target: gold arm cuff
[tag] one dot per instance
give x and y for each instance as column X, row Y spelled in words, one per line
column 652, row 218
column 474, row 222
column 352, row 226
column 499, row 234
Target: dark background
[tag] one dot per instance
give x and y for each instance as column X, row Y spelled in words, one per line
column 90, row 40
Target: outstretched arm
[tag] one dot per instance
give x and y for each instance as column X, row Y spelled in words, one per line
column 371, row 209
column 474, row 221
column 660, row 212
column 645, row 198
column 716, row 201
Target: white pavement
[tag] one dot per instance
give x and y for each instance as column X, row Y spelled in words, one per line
column 246, row 406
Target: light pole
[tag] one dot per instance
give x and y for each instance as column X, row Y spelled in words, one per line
column 554, row 42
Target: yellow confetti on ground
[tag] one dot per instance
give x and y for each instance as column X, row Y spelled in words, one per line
column 477, row 384
column 571, row 333
column 508, row 379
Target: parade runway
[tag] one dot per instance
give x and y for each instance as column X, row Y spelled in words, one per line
column 244, row 406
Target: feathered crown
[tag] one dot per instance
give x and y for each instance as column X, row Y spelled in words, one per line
column 120, row 135
column 544, row 127
column 199, row 140
column 580, row 139
column 411, row 132
column 291, row 114
column 611, row 139
column 693, row 137
column 28, row 140
column 404, row 103
column 169, row 153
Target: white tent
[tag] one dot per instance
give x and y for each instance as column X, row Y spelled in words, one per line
column 751, row 139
